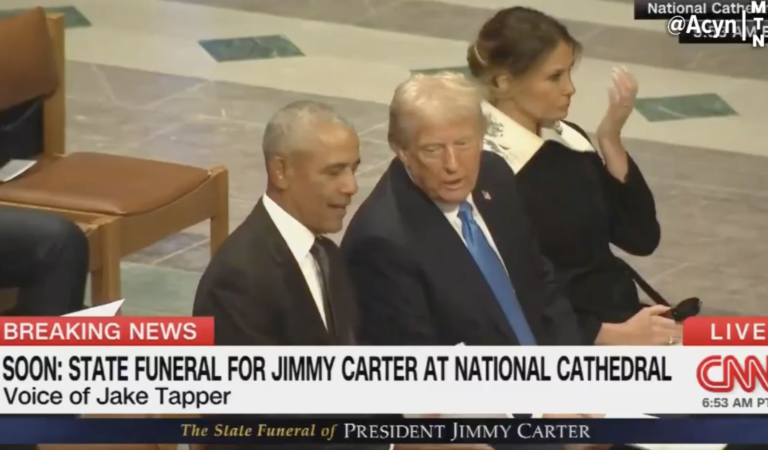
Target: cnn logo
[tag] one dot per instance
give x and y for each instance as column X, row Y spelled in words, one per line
column 733, row 372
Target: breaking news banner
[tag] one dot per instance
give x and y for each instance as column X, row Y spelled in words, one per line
column 287, row 431
column 135, row 365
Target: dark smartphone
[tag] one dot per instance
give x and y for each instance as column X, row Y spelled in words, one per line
column 687, row 308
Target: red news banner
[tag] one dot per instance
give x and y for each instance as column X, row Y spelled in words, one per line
column 725, row 331
column 192, row 331
column 106, row 331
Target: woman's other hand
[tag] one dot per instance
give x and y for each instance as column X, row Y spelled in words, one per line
column 650, row 327
column 621, row 103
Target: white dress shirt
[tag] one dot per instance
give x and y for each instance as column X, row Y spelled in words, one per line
column 300, row 241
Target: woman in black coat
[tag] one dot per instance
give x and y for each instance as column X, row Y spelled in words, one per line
column 580, row 199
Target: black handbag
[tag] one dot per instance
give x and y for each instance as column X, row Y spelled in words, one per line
column 689, row 307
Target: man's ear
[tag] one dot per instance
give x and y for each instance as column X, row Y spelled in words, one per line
column 401, row 154
column 278, row 171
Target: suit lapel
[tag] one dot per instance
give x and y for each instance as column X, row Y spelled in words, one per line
column 301, row 305
column 446, row 247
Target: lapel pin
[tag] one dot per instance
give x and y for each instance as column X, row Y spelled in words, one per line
column 486, row 195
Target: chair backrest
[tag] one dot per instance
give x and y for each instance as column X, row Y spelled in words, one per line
column 55, row 106
column 32, row 97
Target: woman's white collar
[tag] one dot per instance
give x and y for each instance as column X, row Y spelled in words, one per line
column 517, row 145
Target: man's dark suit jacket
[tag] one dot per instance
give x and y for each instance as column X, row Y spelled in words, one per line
column 254, row 289
column 419, row 285
column 257, row 295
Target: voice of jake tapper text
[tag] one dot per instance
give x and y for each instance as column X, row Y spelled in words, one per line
column 352, row 431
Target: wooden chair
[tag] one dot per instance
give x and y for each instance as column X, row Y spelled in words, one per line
column 129, row 203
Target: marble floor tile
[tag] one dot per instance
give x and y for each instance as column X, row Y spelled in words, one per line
column 255, row 104
column 663, row 275
column 158, row 290
column 207, row 141
column 377, row 133
column 707, row 310
column 85, row 83
column 124, row 87
column 139, row 88
column 426, row 18
column 700, row 168
column 247, row 184
column 714, row 228
column 717, row 289
column 357, row 62
column 194, row 259
column 167, row 248
column 340, row 11
column 374, row 157
column 595, row 11
column 103, row 126
column 133, row 311
column 462, row 22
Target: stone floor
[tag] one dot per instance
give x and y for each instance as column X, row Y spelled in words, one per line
column 195, row 81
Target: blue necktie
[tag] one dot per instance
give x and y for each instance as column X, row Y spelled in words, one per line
column 495, row 274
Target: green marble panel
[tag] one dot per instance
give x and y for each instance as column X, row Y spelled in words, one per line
column 250, row 48
column 681, row 107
